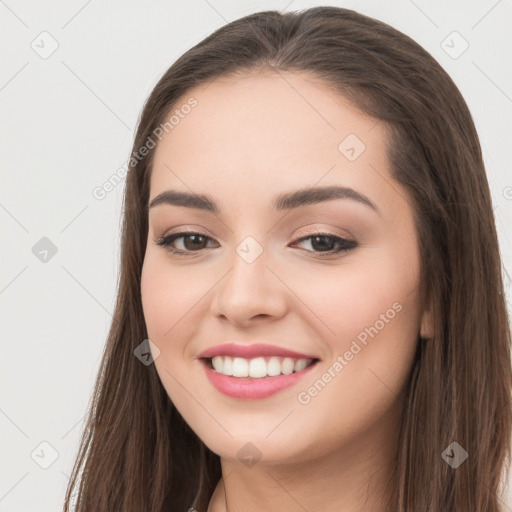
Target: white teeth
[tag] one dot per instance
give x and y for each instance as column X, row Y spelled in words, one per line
column 300, row 364
column 258, row 367
column 274, row 367
column 217, row 363
column 240, row 367
column 287, row 366
column 227, row 368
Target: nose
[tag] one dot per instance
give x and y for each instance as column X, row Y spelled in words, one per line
column 249, row 293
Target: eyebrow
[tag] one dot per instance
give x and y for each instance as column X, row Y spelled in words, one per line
column 285, row 201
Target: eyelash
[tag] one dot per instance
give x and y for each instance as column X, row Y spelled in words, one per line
column 346, row 245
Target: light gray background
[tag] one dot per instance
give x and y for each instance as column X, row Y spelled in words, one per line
column 67, row 125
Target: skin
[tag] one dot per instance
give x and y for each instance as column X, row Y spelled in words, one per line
column 249, row 139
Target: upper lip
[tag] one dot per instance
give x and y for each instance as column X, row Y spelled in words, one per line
column 252, row 351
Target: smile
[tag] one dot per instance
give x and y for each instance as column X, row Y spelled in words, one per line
column 255, row 378
column 258, row 367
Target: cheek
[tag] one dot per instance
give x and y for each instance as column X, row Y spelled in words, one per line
column 373, row 312
column 169, row 300
column 156, row 294
column 374, row 298
column 171, row 303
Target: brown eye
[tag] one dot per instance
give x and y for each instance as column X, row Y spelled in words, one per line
column 327, row 243
column 192, row 242
column 197, row 242
column 323, row 243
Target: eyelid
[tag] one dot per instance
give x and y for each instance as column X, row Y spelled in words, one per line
column 303, row 233
column 321, row 231
column 187, row 229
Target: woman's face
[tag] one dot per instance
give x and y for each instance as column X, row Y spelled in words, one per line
column 261, row 267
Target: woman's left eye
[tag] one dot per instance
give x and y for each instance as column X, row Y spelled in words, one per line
column 323, row 241
column 326, row 242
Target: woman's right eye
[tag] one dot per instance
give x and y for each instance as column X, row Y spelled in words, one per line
column 197, row 242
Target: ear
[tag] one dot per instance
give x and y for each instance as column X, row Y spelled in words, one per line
column 427, row 322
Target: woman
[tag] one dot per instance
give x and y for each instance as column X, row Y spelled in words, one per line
column 310, row 312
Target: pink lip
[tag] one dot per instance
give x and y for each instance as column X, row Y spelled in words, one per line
column 251, row 351
column 240, row 387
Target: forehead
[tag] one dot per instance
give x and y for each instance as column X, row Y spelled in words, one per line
column 251, row 133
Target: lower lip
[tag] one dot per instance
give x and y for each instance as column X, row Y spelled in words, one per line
column 244, row 387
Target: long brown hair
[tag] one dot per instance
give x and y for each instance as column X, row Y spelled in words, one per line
column 138, row 454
